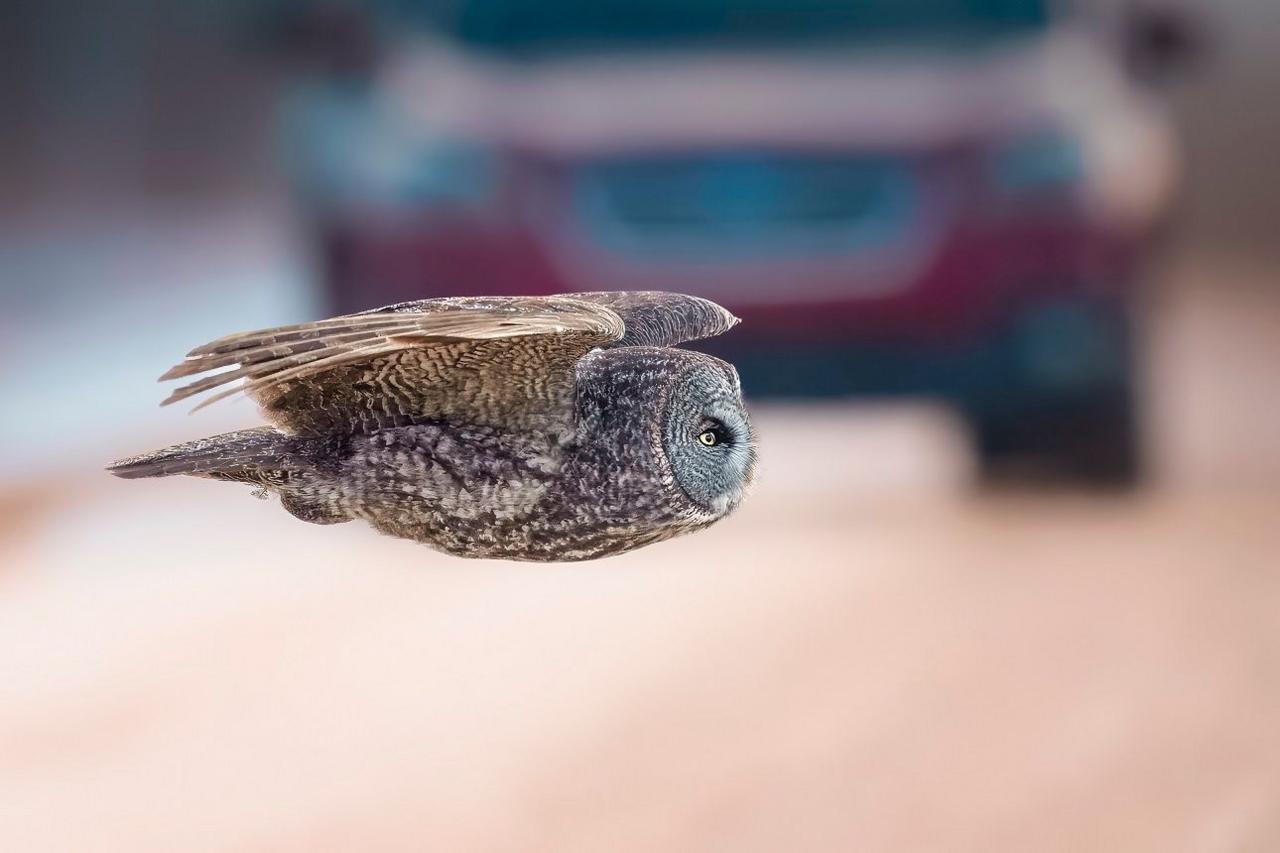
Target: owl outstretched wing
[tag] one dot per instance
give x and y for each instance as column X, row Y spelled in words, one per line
column 498, row 361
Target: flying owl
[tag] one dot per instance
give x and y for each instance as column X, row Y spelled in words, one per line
column 524, row 428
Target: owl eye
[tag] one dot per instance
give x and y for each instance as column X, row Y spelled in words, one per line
column 709, row 437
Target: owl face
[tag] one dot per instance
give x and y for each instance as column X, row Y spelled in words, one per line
column 707, row 436
column 668, row 431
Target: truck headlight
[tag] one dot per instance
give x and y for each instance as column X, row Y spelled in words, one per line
column 1046, row 161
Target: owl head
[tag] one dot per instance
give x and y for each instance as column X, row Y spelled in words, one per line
column 674, row 418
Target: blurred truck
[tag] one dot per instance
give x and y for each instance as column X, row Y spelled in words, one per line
column 949, row 198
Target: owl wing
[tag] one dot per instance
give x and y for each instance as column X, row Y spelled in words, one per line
column 657, row 319
column 500, row 361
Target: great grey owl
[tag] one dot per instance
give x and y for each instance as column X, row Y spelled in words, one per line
column 525, row 428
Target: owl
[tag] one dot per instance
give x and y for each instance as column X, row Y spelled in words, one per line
column 525, row 428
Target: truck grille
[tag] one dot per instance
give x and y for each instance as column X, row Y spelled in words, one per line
column 739, row 205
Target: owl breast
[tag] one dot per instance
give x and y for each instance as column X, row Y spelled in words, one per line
column 478, row 492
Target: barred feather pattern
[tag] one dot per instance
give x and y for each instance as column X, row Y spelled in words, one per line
column 493, row 361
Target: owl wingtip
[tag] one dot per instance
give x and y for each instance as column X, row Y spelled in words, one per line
column 730, row 319
column 726, row 316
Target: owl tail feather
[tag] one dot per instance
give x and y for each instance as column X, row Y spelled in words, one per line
column 232, row 453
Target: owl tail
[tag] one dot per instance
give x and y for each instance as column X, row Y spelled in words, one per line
column 233, row 453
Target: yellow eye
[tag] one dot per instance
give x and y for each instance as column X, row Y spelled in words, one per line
column 709, row 438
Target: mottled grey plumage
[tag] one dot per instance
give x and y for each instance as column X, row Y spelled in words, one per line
column 528, row 428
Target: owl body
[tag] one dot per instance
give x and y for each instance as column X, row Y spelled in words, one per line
column 637, row 444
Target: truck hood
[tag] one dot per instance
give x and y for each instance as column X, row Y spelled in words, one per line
column 918, row 98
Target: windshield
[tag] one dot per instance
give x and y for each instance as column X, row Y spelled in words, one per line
column 538, row 26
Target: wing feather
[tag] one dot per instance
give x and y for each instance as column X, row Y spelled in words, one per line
column 655, row 318
column 436, row 358
column 316, row 346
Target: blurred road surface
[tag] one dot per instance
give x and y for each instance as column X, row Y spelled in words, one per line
column 869, row 656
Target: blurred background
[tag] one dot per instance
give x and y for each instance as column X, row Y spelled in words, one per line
column 1011, row 300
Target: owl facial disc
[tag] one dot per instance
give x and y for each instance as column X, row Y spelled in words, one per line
column 708, row 437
